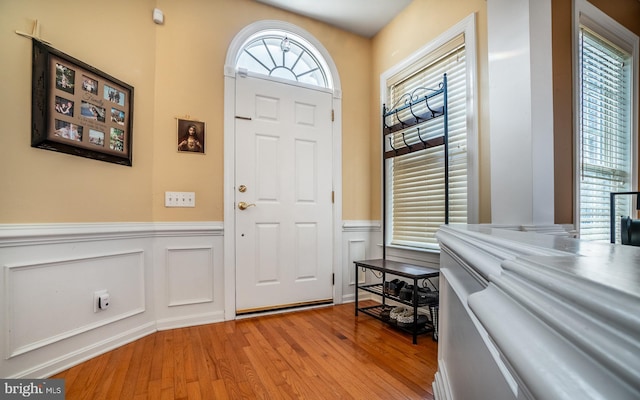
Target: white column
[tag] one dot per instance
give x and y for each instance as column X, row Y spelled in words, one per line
column 521, row 111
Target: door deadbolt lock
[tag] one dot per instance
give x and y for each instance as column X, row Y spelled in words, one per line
column 243, row 206
column 242, row 188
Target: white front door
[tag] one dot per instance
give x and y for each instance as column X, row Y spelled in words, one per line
column 284, row 176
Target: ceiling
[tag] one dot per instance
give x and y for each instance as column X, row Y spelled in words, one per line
column 362, row 17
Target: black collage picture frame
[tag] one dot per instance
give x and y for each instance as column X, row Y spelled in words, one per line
column 78, row 109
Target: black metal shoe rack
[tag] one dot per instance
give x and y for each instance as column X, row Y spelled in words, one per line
column 410, row 111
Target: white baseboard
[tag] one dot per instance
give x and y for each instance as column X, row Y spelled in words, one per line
column 69, row 360
column 191, row 320
column 440, row 385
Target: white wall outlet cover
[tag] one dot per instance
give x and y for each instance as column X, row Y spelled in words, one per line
column 101, row 300
column 158, row 16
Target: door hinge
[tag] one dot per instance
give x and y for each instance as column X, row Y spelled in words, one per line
column 333, row 197
column 333, row 279
column 333, row 116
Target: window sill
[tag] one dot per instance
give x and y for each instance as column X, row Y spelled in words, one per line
column 414, row 255
column 434, row 250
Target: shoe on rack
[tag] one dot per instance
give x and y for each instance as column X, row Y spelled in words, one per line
column 396, row 311
column 406, row 319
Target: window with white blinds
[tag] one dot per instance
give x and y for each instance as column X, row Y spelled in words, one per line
column 605, row 142
column 415, row 189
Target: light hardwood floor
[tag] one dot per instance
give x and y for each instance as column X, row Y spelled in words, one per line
column 323, row 353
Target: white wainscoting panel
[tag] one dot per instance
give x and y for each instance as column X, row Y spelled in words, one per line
column 189, row 278
column 356, row 251
column 360, row 240
column 158, row 275
column 58, row 297
column 189, row 275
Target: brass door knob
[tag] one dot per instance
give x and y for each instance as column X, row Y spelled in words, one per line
column 243, row 206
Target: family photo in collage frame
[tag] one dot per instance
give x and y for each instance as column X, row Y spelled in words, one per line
column 78, row 109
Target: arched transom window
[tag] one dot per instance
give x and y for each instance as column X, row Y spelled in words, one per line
column 284, row 55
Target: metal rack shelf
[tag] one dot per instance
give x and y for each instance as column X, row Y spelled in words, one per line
column 411, row 110
column 409, row 271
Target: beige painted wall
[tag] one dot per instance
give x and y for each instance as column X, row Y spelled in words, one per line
column 415, row 27
column 117, row 37
column 177, row 71
column 192, row 46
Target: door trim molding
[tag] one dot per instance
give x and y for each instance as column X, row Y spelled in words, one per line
column 229, row 159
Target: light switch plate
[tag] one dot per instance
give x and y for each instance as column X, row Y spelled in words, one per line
column 179, row 199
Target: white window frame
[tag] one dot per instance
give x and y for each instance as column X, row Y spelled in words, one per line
column 301, row 43
column 586, row 14
column 467, row 27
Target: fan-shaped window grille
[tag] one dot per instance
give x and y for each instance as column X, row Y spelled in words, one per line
column 283, row 55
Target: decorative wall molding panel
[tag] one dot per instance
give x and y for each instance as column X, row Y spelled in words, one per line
column 360, row 241
column 536, row 316
column 42, row 293
column 189, row 274
column 356, row 250
column 158, row 276
column 189, row 280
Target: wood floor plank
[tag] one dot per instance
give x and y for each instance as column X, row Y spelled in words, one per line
column 133, row 370
column 70, row 378
column 155, row 374
column 259, row 355
column 146, row 361
column 322, row 353
column 168, row 371
column 94, row 375
column 193, row 391
column 190, row 343
column 220, row 390
column 179, row 375
column 154, row 390
column 119, row 366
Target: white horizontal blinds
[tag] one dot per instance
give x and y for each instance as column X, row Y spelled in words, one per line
column 605, row 135
column 417, row 178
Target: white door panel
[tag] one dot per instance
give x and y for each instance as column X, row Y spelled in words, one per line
column 283, row 157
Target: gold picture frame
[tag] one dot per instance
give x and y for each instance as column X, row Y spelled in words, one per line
column 190, row 136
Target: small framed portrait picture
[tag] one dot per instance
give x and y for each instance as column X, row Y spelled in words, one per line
column 190, row 136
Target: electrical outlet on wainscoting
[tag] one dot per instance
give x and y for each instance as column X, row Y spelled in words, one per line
column 101, row 300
